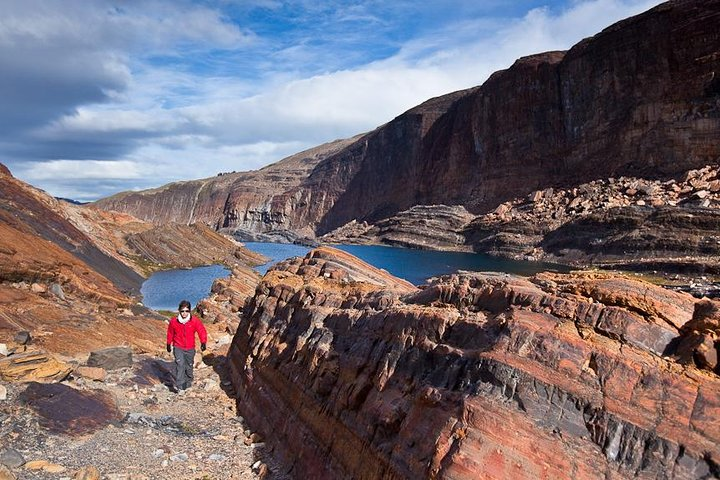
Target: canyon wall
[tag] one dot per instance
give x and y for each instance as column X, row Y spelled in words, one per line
column 641, row 98
column 258, row 201
column 349, row 373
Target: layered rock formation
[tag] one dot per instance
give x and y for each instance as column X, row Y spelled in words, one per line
column 477, row 375
column 65, row 272
column 247, row 202
column 626, row 222
column 639, row 99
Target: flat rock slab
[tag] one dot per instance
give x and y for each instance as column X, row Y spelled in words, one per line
column 65, row 410
column 111, row 358
column 11, row 458
column 33, row 366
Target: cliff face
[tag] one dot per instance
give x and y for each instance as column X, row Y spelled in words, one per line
column 257, row 201
column 639, row 99
column 478, row 375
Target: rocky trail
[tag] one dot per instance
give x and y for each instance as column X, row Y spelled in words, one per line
column 129, row 425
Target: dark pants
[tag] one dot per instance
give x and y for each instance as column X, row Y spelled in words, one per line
column 183, row 367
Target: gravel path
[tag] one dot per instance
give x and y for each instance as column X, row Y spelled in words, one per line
column 155, row 433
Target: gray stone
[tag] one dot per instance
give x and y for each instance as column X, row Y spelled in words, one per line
column 111, row 358
column 57, row 290
column 180, row 457
column 23, row 338
column 216, row 457
column 12, row 458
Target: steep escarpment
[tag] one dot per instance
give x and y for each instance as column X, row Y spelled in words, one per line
column 257, row 201
column 638, row 100
column 478, row 375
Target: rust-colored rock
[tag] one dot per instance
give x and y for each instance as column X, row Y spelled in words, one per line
column 475, row 376
column 700, row 341
column 91, row 373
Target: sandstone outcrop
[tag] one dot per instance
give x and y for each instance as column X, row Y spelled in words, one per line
column 477, row 375
column 639, row 99
column 33, row 366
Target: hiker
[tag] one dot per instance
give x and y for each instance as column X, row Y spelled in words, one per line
column 181, row 335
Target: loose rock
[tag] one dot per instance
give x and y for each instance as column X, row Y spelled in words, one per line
column 111, row 358
column 12, row 458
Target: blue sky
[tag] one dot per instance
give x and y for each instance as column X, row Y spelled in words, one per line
column 101, row 96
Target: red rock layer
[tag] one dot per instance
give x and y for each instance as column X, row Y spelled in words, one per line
column 475, row 376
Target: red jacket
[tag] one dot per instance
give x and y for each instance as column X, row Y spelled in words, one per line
column 183, row 335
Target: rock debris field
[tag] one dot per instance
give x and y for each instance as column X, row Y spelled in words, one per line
column 126, row 423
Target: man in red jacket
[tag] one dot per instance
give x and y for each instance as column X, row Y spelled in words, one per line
column 181, row 334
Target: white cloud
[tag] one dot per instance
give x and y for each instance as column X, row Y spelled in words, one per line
column 180, row 118
column 83, row 170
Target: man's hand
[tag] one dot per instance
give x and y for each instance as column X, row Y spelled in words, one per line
column 168, row 347
column 203, row 347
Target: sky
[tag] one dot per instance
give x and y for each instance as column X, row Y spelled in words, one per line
column 98, row 97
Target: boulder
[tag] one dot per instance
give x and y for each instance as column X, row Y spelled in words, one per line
column 22, row 338
column 111, row 358
column 91, row 373
column 12, row 458
column 57, row 290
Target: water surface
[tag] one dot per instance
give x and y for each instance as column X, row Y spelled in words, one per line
column 164, row 290
column 415, row 266
column 277, row 252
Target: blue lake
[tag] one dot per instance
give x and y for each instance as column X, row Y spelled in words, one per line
column 164, row 290
column 415, row 266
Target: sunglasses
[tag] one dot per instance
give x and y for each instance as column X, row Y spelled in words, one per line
column 184, row 310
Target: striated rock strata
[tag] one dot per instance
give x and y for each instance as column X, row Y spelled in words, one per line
column 624, row 222
column 476, row 376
